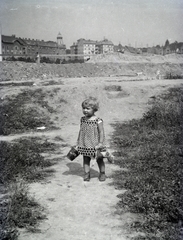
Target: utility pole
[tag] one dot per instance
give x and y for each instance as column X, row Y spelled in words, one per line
column 1, row 58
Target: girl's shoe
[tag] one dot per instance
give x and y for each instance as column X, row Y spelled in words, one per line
column 102, row 177
column 87, row 177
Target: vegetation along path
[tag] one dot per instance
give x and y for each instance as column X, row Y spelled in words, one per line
column 77, row 210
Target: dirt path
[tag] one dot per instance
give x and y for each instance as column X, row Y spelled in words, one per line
column 77, row 210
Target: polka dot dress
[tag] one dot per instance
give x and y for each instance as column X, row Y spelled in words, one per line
column 88, row 136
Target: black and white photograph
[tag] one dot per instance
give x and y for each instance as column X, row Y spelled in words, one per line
column 91, row 120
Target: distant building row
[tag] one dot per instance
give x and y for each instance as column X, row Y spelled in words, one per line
column 12, row 45
column 176, row 47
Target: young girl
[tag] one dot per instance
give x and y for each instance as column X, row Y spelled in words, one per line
column 91, row 138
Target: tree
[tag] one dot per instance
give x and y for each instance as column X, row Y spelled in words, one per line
column 167, row 43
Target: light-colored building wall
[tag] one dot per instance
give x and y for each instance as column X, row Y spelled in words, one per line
column 85, row 47
column 105, row 46
column 90, row 47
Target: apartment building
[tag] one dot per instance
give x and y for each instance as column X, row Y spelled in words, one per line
column 83, row 47
column 105, row 46
column 90, row 47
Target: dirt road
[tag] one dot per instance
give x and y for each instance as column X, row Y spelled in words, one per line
column 77, row 210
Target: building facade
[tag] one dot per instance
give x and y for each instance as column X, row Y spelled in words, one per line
column 15, row 46
column 104, row 46
column 176, row 47
column 85, row 48
column 11, row 45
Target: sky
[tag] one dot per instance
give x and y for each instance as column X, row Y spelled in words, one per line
column 139, row 23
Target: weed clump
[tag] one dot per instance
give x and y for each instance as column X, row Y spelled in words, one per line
column 151, row 150
column 16, row 115
column 24, row 211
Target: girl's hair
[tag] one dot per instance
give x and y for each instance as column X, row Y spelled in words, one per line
column 91, row 102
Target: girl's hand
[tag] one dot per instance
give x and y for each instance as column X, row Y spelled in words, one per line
column 99, row 146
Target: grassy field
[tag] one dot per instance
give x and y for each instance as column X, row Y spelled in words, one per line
column 150, row 153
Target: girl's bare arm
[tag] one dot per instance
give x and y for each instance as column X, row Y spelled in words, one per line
column 101, row 135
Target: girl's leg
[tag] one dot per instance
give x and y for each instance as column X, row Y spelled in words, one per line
column 86, row 166
column 101, row 166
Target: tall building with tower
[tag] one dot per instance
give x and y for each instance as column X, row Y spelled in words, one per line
column 60, row 44
column 60, row 39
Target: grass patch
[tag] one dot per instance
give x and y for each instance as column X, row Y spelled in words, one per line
column 22, row 162
column 113, row 88
column 19, row 210
column 16, row 84
column 115, row 91
column 151, row 150
column 24, row 211
column 24, row 159
column 25, row 111
column 170, row 75
column 52, row 82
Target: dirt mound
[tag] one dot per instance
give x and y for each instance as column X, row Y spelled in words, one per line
column 129, row 57
column 121, row 65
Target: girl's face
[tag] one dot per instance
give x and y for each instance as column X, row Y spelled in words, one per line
column 88, row 111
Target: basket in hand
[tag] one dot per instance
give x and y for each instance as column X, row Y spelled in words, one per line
column 72, row 154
